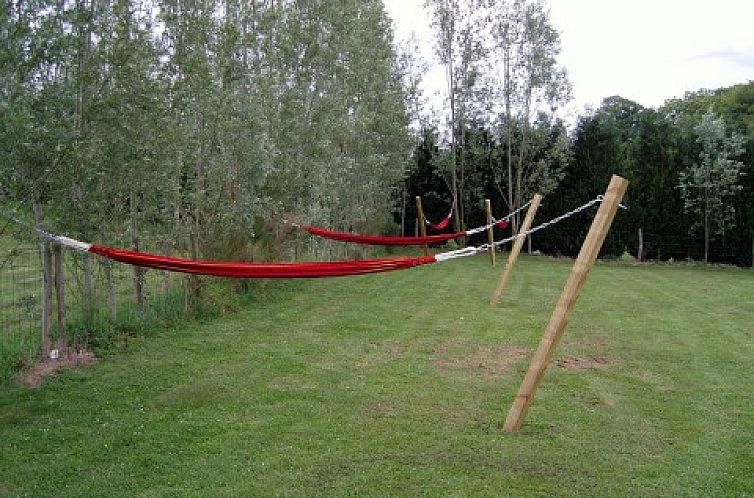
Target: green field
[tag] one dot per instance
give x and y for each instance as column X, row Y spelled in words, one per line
column 397, row 385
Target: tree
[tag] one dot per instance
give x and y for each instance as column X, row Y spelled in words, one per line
column 458, row 25
column 527, row 45
column 708, row 185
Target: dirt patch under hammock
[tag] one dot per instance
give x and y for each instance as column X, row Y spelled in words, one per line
column 34, row 376
column 583, row 362
column 489, row 361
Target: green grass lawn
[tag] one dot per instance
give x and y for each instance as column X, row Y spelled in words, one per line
column 398, row 384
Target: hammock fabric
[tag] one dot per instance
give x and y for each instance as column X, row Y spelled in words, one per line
column 442, row 224
column 254, row 270
column 381, row 240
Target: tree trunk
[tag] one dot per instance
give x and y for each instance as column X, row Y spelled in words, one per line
column 706, row 228
column 508, row 136
column 640, row 250
column 403, row 212
column 193, row 293
column 706, row 237
column 112, row 298
column 88, row 288
column 138, row 271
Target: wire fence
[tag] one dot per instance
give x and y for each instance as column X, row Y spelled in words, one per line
column 566, row 241
column 99, row 303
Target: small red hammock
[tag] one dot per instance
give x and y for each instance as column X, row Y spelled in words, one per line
column 441, row 225
column 251, row 270
column 387, row 240
column 383, row 240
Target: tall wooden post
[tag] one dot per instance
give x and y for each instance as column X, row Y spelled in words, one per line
column 490, row 233
column 559, row 319
column 421, row 222
column 513, row 256
column 57, row 253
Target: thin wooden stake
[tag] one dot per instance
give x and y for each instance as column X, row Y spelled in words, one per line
column 559, row 319
column 490, row 233
column 516, row 250
column 421, row 222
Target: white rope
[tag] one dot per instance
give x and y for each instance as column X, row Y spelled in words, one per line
column 458, row 253
column 495, row 222
column 291, row 223
column 472, row 250
column 72, row 243
column 58, row 239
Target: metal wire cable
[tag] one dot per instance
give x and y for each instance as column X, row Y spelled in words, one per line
column 470, row 251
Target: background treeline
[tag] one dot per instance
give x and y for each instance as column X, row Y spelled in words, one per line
column 653, row 148
column 195, row 127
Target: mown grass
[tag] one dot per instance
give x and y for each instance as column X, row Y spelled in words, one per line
column 398, row 384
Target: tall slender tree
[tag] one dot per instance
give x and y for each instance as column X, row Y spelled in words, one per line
column 709, row 185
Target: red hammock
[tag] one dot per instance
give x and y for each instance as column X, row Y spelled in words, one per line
column 380, row 240
column 258, row 270
column 442, row 224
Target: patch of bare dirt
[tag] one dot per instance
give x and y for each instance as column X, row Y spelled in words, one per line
column 383, row 352
column 35, row 375
column 583, row 362
column 381, row 409
column 489, row 361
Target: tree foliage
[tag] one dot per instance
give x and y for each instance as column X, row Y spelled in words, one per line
column 708, row 185
column 201, row 120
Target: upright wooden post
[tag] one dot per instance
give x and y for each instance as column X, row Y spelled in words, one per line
column 46, row 255
column 490, row 233
column 57, row 253
column 513, row 256
column 421, row 223
column 640, row 250
column 559, row 319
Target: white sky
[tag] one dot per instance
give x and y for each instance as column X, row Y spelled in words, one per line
column 644, row 50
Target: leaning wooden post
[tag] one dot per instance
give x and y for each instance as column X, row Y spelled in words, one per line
column 559, row 319
column 420, row 220
column 57, row 253
column 516, row 250
column 490, row 228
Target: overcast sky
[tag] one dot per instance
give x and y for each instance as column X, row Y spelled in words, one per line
column 644, row 50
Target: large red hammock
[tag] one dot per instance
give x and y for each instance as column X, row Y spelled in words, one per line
column 383, row 240
column 253, row 270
